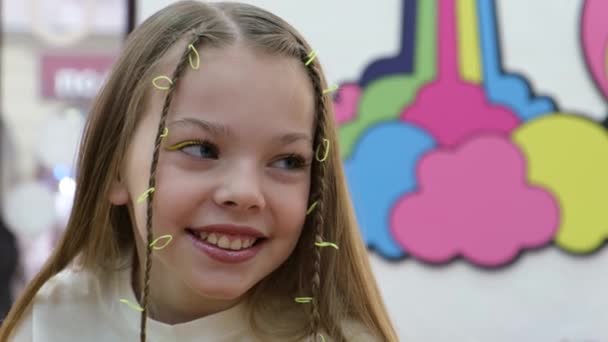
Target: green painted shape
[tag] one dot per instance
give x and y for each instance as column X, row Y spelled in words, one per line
column 385, row 98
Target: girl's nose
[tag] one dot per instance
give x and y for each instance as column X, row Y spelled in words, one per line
column 240, row 188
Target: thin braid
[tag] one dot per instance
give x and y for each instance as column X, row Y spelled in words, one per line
column 316, row 277
column 319, row 219
column 152, row 183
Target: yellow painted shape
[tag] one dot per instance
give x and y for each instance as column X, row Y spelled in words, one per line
column 568, row 155
column 469, row 51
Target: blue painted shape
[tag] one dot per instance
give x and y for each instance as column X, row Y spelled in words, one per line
column 511, row 90
column 381, row 170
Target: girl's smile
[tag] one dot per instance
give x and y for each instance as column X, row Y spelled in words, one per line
column 227, row 243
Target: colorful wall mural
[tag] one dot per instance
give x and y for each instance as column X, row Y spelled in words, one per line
column 450, row 156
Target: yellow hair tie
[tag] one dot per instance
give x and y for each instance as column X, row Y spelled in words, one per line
column 330, row 89
column 165, row 133
column 132, row 306
column 312, row 207
column 161, row 87
column 326, row 244
column 168, row 237
column 325, row 144
column 311, row 57
column 322, row 338
column 198, row 57
column 142, row 198
column 303, row 300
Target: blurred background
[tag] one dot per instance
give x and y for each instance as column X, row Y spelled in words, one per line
column 473, row 134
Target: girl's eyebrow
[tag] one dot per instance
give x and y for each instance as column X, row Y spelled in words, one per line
column 208, row 126
column 219, row 129
column 291, row 138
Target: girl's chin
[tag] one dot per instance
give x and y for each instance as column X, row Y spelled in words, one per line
column 221, row 293
column 217, row 286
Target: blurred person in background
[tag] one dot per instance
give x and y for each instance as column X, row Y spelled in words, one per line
column 8, row 267
column 9, row 256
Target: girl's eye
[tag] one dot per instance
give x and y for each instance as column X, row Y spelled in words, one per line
column 199, row 149
column 291, row 162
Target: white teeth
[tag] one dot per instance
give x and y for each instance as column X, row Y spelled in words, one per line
column 224, row 242
column 236, row 244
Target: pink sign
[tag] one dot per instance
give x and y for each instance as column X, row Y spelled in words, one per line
column 73, row 76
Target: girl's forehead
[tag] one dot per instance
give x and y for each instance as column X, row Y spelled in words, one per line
column 241, row 83
column 245, row 80
column 233, row 54
column 242, row 59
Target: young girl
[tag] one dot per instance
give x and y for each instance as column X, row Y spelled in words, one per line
column 211, row 202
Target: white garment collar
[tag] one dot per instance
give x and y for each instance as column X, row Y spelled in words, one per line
column 231, row 322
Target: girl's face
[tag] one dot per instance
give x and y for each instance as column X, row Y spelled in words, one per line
column 233, row 175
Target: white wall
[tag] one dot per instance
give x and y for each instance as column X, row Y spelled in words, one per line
column 546, row 295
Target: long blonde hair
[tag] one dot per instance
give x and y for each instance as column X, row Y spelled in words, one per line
column 99, row 234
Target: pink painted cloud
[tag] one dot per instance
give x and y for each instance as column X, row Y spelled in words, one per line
column 474, row 202
column 346, row 102
column 453, row 111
